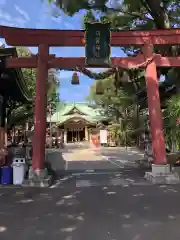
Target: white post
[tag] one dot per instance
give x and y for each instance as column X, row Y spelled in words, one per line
column 65, row 135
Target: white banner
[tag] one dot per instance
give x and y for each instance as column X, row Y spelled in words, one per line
column 103, row 136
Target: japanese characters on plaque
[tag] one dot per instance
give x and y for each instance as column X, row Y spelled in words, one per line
column 98, row 48
column 97, row 45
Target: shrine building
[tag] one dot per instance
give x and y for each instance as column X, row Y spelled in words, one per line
column 76, row 122
column 13, row 90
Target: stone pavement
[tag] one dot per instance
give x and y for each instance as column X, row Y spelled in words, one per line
column 85, row 158
column 124, row 177
column 122, row 156
column 108, row 205
column 79, row 157
column 106, row 212
column 86, row 154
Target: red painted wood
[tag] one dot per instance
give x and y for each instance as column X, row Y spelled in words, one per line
column 22, row 62
column 79, row 41
column 130, row 62
column 25, row 62
column 40, row 110
column 167, row 61
column 155, row 114
column 68, row 63
column 4, row 30
column 33, row 37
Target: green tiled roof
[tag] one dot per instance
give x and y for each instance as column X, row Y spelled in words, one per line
column 88, row 113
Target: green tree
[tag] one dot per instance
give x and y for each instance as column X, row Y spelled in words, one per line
column 20, row 112
column 172, row 122
column 30, row 75
column 120, row 108
column 138, row 13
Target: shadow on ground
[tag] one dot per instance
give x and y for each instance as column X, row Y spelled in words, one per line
column 91, row 165
column 121, row 155
column 107, row 213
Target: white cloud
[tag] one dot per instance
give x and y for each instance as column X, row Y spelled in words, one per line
column 5, row 16
column 7, row 19
column 23, row 13
column 43, row 16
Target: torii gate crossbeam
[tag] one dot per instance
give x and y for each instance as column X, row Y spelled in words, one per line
column 33, row 37
column 72, row 63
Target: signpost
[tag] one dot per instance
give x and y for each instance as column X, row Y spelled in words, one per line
column 98, row 44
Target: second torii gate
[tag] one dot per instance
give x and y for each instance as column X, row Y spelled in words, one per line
column 43, row 39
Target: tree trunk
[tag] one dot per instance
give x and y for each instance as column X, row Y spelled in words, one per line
column 158, row 11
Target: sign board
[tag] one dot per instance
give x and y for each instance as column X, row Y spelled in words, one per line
column 98, row 45
column 103, row 136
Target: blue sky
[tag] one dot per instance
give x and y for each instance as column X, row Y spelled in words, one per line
column 39, row 14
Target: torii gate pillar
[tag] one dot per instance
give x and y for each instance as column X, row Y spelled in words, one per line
column 159, row 165
column 39, row 137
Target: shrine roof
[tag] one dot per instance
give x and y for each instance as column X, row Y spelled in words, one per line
column 12, row 80
column 65, row 112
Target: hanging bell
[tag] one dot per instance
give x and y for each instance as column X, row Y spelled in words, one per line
column 99, row 88
column 75, row 79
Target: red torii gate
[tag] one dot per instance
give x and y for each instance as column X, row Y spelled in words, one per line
column 43, row 39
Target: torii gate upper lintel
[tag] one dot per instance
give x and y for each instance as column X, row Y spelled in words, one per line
column 43, row 39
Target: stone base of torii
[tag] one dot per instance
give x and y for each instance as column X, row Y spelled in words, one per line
column 162, row 174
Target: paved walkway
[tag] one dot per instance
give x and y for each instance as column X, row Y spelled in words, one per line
column 119, row 204
column 79, row 157
column 73, row 212
column 84, row 154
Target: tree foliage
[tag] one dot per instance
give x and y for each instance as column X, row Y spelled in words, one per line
column 120, row 107
column 140, row 14
column 19, row 112
column 172, row 122
column 30, row 75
